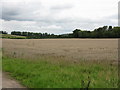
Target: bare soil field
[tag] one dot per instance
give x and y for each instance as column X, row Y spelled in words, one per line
column 72, row 49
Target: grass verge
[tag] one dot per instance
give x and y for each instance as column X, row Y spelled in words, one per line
column 46, row 74
column 9, row 36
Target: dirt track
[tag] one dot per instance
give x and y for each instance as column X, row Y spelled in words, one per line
column 8, row 82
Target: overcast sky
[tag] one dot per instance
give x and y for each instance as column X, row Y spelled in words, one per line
column 57, row 16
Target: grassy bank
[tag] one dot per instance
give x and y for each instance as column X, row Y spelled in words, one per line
column 9, row 36
column 44, row 73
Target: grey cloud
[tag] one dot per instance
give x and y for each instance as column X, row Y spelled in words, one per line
column 9, row 14
column 19, row 11
column 114, row 16
column 26, row 12
column 0, row 10
column 45, row 16
column 61, row 7
column 9, row 11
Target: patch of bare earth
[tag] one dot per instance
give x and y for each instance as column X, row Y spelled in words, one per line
column 8, row 82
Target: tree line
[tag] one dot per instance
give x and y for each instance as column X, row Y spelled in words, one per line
column 101, row 32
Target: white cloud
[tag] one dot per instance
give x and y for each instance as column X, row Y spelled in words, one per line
column 58, row 16
column 31, row 26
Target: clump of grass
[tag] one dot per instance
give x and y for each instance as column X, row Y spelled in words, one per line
column 46, row 74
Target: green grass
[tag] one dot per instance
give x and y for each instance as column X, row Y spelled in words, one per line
column 9, row 36
column 49, row 74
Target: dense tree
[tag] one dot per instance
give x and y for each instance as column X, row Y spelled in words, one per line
column 110, row 28
column 16, row 33
column 76, row 33
column 116, row 32
column 3, row 32
column 101, row 32
column 24, row 34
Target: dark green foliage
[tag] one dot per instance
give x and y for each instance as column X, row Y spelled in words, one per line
column 16, row 33
column 101, row 32
column 76, row 33
column 3, row 32
column 24, row 33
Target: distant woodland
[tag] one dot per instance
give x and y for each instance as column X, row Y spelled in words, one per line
column 101, row 32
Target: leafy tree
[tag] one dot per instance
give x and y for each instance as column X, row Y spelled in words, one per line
column 24, row 33
column 76, row 33
column 101, row 32
column 16, row 33
column 110, row 28
column 3, row 32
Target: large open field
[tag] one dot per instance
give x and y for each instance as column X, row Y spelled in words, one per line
column 62, row 62
column 73, row 49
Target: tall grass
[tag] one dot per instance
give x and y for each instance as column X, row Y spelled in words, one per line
column 46, row 73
